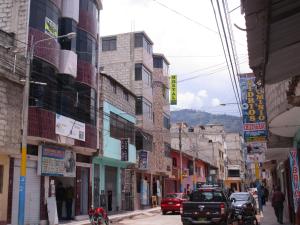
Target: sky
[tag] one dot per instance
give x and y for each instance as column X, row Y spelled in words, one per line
column 187, row 35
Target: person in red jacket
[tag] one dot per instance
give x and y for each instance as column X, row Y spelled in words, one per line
column 277, row 203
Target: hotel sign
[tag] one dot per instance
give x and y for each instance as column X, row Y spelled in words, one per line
column 173, row 89
column 124, row 149
column 295, row 178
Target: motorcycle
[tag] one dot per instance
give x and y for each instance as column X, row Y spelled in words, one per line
column 98, row 216
column 246, row 215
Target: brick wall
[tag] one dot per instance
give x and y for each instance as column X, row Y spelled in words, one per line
column 11, row 92
column 14, row 18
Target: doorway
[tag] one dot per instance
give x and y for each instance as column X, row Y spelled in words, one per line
column 84, row 190
column 111, row 187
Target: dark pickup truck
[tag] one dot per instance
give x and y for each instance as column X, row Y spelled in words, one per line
column 206, row 206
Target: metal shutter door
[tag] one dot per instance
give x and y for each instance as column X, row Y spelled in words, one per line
column 32, row 202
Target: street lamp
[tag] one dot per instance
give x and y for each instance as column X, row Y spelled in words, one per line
column 22, row 184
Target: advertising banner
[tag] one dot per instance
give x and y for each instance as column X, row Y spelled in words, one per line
column 69, row 128
column 253, row 109
column 173, row 89
column 124, row 149
column 56, row 161
column 51, row 28
column 143, row 160
column 295, row 178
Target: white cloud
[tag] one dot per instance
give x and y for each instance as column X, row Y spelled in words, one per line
column 215, row 102
column 189, row 100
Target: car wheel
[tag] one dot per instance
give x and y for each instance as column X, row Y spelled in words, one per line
column 164, row 212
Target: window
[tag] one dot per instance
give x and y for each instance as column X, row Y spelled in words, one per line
column 157, row 62
column 67, row 25
column 141, row 41
column 86, row 47
column 126, row 95
column 1, row 178
column 166, row 122
column 143, row 141
column 208, row 196
column 141, row 73
column 121, row 128
column 167, row 150
column 174, row 162
column 233, row 173
column 143, row 107
column 109, row 44
column 113, row 85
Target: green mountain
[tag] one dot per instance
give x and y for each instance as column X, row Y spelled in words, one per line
column 195, row 117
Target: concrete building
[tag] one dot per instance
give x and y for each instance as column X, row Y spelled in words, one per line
column 235, row 161
column 273, row 46
column 128, row 58
column 11, row 71
column 62, row 104
column 204, row 141
column 113, row 178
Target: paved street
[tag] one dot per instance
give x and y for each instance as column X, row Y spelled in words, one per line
column 153, row 219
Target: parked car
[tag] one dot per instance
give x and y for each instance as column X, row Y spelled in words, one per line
column 172, row 202
column 240, row 199
column 207, row 205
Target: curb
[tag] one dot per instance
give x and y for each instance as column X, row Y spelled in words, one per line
column 119, row 218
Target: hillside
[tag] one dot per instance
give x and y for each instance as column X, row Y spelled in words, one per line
column 194, row 117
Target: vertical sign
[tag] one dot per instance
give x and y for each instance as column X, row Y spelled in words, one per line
column 173, row 89
column 253, row 108
column 124, row 149
column 295, row 177
column 143, row 160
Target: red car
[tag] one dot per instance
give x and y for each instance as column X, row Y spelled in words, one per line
column 172, row 202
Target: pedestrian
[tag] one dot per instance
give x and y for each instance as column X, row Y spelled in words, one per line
column 267, row 194
column 69, row 201
column 277, row 203
column 263, row 197
column 259, row 196
column 60, row 195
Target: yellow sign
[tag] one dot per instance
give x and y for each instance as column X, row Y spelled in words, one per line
column 257, row 174
column 173, row 89
column 51, row 28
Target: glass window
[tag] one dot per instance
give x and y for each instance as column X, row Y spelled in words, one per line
column 157, row 62
column 126, row 95
column 143, row 106
column 109, row 44
column 166, row 122
column 207, row 196
column 86, row 47
column 139, row 106
column 147, row 77
column 138, row 40
column 113, row 85
column 121, row 128
column 67, row 25
column 167, row 150
column 1, row 178
column 138, row 71
column 143, row 141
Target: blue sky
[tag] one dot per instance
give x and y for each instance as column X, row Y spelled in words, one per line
column 192, row 47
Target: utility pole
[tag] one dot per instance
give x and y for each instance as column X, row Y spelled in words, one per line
column 180, row 150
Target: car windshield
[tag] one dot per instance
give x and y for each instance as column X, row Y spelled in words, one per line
column 240, row 197
column 207, row 196
column 172, row 196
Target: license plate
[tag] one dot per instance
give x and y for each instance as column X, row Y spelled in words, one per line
column 170, row 203
column 201, row 219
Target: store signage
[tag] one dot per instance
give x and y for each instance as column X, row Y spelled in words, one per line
column 295, row 178
column 173, row 89
column 51, row 28
column 124, row 149
column 69, row 128
column 56, row 161
column 143, row 160
column 253, row 108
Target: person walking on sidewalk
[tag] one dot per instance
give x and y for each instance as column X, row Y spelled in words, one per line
column 277, row 203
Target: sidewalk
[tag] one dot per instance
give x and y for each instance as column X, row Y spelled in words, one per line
column 268, row 216
column 118, row 217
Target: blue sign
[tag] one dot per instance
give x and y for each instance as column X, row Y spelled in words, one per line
column 295, row 178
column 253, row 109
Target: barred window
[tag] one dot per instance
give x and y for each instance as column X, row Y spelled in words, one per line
column 109, row 44
column 121, row 128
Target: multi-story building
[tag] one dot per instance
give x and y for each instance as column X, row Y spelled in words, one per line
column 235, row 168
column 205, row 142
column 11, row 72
column 62, row 132
column 128, row 58
column 113, row 178
column 273, row 46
